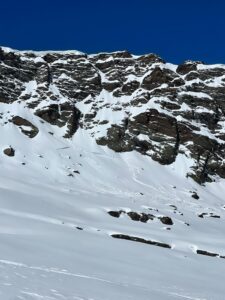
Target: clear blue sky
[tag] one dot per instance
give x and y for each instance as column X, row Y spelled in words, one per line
column 175, row 29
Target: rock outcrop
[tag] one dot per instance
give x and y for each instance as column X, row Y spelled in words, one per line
column 9, row 151
column 125, row 102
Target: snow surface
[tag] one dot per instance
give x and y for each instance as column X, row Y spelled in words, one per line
column 44, row 256
column 41, row 53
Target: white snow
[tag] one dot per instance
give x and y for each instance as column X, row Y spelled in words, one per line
column 42, row 53
column 44, row 256
column 196, row 94
column 213, row 66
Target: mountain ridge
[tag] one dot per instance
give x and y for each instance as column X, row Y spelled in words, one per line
column 125, row 102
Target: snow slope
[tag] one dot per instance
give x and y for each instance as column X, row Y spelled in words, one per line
column 69, row 207
column 43, row 255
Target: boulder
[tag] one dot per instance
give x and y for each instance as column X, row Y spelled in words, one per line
column 9, row 151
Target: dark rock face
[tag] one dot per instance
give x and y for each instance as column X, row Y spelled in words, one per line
column 212, row 215
column 9, row 151
column 166, row 220
column 195, row 196
column 61, row 115
column 125, row 102
column 203, row 252
column 115, row 214
column 187, row 67
column 140, row 240
column 161, row 76
column 140, row 216
column 26, row 127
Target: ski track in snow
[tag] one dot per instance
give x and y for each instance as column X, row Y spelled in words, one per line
column 52, row 270
column 25, row 294
column 55, row 271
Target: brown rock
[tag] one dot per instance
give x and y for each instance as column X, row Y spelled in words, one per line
column 26, row 127
column 9, row 151
column 166, row 220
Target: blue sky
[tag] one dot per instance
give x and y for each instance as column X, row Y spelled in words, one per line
column 176, row 30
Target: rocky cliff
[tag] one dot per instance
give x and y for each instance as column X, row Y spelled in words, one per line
column 125, row 102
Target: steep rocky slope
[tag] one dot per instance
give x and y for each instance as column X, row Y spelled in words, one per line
column 125, row 102
column 97, row 159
